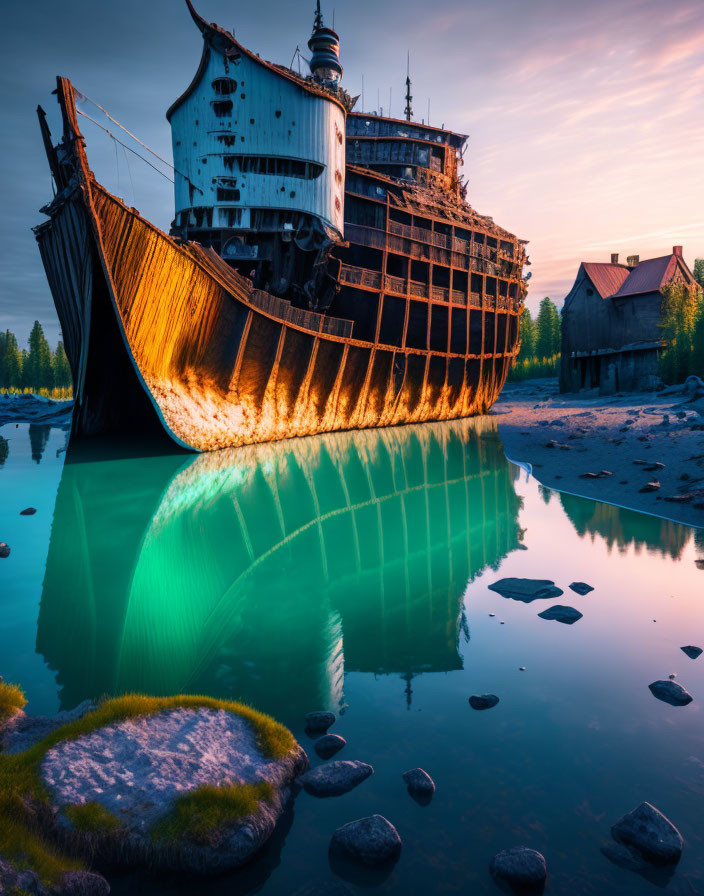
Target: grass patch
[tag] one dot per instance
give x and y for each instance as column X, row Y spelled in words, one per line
column 200, row 812
column 23, row 844
column 91, row 818
column 58, row 393
column 529, row 368
column 12, row 698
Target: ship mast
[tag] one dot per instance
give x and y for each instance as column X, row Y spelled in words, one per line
column 408, row 111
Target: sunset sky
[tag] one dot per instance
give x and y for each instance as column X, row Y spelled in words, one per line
column 586, row 119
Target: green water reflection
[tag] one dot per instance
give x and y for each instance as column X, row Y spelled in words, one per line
column 267, row 573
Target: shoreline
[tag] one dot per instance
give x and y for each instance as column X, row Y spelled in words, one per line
column 621, row 442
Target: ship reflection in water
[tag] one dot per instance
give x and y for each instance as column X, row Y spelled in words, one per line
column 266, row 573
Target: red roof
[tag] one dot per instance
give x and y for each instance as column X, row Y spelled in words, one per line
column 607, row 278
column 648, row 276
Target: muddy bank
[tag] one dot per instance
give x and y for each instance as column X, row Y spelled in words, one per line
column 644, row 451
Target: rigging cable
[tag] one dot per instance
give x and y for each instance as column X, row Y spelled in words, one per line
column 134, row 151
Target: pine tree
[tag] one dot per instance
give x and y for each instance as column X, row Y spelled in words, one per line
column 62, row 370
column 38, row 371
column 680, row 311
column 547, row 341
column 699, row 271
column 527, row 330
column 10, row 361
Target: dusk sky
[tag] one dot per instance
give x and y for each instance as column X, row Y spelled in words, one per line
column 586, row 119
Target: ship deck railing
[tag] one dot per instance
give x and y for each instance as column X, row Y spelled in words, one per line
column 310, row 320
column 372, row 280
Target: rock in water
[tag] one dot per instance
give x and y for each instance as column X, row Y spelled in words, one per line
column 419, row 783
column 692, row 652
column 371, row 841
column 483, row 701
column 319, row 722
column 83, row 883
column 670, row 692
column 336, row 778
column 526, row 590
column 560, row 613
column 521, row 867
column 28, row 511
column 138, row 769
column 4, row 550
column 329, row 744
column 651, row 833
column 581, row 588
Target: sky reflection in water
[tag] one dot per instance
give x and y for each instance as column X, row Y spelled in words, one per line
column 349, row 572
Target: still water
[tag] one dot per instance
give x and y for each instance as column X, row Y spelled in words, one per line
column 350, row 572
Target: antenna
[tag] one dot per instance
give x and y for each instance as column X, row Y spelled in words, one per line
column 318, row 20
column 408, row 111
column 378, row 101
column 362, row 93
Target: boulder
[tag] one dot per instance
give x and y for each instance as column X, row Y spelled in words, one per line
column 483, row 701
column 319, row 722
column 581, row 588
column 329, row 744
column 692, row 652
column 419, row 783
column 82, row 883
column 526, row 590
column 521, row 867
column 561, row 613
column 371, row 841
column 651, row 833
column 140, row 773
column 670, row 692
column 336, row 778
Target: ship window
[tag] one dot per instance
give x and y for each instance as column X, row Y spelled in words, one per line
column 224, row 86
column 438, row 328
column 227, row 139
column 278, row 113
column 278, row 166
column 417, row 335
column 458, row 333
column 227, row 194
column 222, row 107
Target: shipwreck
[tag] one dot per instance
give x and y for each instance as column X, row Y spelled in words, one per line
column 323, row 271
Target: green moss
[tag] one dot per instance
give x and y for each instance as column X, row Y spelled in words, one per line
column 91, row 818
column 200, row 812
column 23, row 845
column 12, row 698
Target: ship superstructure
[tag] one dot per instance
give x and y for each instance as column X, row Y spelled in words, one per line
column 324, row 270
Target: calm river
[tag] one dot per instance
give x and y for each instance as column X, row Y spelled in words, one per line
column 350, row 572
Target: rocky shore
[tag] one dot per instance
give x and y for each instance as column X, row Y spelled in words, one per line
column 644, row 451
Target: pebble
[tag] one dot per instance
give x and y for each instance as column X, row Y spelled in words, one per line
column 581, row 588
column 522, row 669
column 670, row 692
column 650, row 486
column 526, row 590
column 651, row 833
column 28, row 511
column 335, row 778
column 319, row 722
column 483, row 701
column 692, row 652
column 561, row 613
column 4, row 550
column 329, row 744
column 371, row 841
column 521, row 867
column 419, row 783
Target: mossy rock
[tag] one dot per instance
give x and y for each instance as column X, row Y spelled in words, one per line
column 181, row 783
column 191, row 788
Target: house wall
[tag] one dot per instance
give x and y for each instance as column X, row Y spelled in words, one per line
column 271, row 116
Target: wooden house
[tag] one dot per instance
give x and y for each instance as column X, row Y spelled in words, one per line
column 611, row 337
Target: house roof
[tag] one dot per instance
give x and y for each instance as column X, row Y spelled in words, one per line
column 607, row 278
column 648, row 276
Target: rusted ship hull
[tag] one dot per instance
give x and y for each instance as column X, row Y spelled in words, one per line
column 161, row 332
